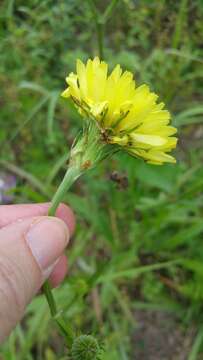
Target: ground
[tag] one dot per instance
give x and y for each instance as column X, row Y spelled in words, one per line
column 159, row 336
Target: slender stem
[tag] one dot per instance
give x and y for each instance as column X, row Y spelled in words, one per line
column 64, row 328
column 50, row 299
column 71, row 175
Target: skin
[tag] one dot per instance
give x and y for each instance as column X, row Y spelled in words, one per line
column 32, row 249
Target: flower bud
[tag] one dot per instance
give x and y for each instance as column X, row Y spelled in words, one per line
column 85, row 347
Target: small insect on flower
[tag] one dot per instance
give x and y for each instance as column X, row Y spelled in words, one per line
column 126, row 115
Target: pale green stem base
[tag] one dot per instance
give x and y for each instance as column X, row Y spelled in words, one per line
column 70, row 177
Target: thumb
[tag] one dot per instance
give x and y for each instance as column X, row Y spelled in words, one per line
column 29, row 250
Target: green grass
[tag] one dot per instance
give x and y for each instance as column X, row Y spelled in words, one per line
column 127, row 240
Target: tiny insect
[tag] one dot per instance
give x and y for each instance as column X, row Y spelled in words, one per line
column 120, row 179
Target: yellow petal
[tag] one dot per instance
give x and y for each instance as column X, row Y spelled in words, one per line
column 97, row 109
column 158, row 156
column 171, row 144
column 81, row 72
column 116, row 73
column 66, row 93
column 122, row 140
column 153, row 140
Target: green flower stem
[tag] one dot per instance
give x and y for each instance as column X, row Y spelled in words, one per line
column 50, row 299
column 87, row 151
column 70, row 177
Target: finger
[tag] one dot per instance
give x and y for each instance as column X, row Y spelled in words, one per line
column 29, row 250
column 11, row 213
column 59, row 271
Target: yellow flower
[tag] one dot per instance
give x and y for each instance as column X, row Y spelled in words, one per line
column 127, row 115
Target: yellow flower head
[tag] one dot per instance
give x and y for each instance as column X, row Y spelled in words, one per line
column 127, row 115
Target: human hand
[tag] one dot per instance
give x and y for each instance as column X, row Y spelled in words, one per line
column 31, row 250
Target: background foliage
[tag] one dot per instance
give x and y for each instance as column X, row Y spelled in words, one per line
column 138, row 245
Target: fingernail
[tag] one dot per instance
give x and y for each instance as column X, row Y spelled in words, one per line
column 47, row 238
column 49, row 270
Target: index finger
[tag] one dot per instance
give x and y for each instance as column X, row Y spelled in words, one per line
column 12, row 213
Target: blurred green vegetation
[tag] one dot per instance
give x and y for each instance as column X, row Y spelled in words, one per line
column 138, row 243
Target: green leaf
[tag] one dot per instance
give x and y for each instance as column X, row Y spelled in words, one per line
column 190, row 116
